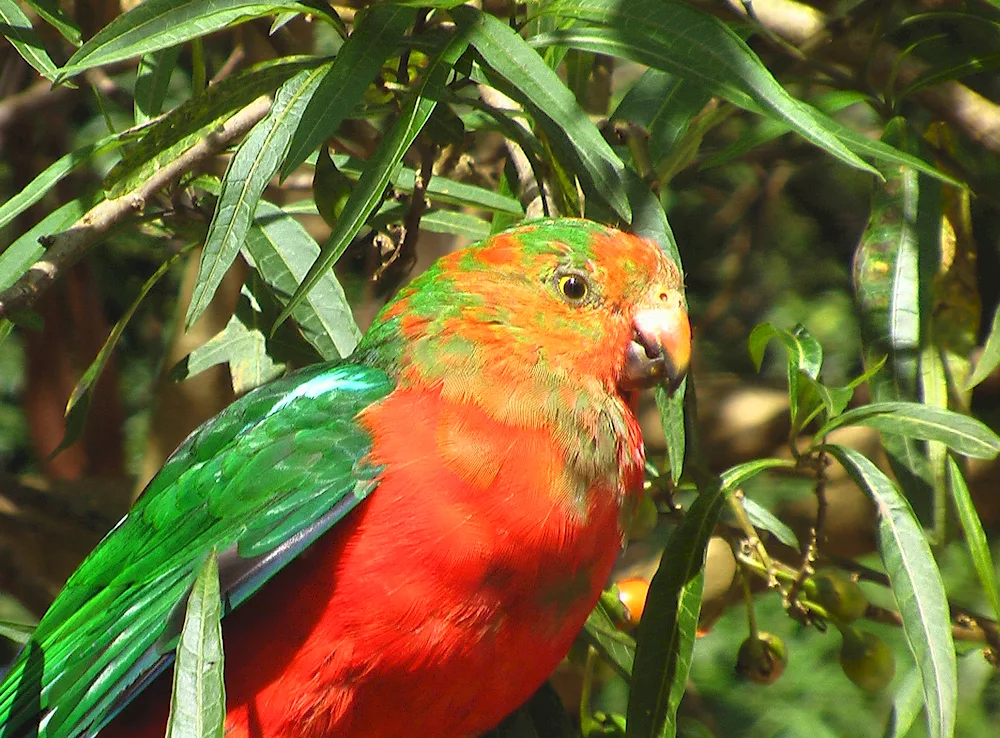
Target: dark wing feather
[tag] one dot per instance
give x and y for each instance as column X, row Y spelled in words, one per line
column 258, row 483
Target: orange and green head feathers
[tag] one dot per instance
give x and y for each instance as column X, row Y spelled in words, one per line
column 550, row 325
column 549, row 303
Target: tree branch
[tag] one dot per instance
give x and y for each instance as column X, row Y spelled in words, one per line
column 66, row 248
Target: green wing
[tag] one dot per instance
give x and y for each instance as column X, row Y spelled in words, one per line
column 257, row 483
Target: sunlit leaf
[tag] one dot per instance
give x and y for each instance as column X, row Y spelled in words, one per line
column 666, row 633
column 26, row 250
column 990, row 358
column 198, row 702
column 907, row 704
column 376, row 36
column 249, row 171
column 764, row 519
column 960, row 432
column 243, row 344
column 916, row 586
column 152, row 81
column 16, row 26
column 675, row 37
column 975, row 536
column 281, row 250
column 529, row 80
column 804, row 357
column 180, row 128
column 59, row 19
column 614, row 646
column 159, row 24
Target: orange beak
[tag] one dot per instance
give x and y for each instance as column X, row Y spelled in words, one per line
column 661, row 345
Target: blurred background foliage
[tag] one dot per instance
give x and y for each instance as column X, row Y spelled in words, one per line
column 771, row 228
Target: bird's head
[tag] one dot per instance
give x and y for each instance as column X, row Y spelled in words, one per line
column 550, row 305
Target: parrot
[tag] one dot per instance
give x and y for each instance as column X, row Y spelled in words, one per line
column 408, row 540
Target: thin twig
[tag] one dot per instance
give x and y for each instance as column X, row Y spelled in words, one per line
column 390, row 275
column 230, row 65
column 66, row 248
column 752, row 540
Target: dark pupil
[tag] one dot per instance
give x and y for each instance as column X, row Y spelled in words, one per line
column 574, row 288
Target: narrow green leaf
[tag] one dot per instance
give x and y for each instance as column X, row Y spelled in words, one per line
column 5, row 329
column 442, row 4
column 614, row 646
column 805, row 357
column 20, row 633
column 672, row 421
column 439, row 189
column 675, row 37
column 916, row 586
column 892, row 289
column 458, row 224
column 26, row 250
column 281, row 250
column 990, row 358
column 58, row 19
column 938, row 73
column 813, row 393
column 53, row 174
column 371, row 187
column 159, row 24
column 555, row 108
column 198, row 702
column 79, row 399
column 17, row 28
column 975, row 536
column 152, row 81
column 764, row 519
column 251, row 168
column 878, row 150
column 667, row 630
column 959, row 432
column 664, row 104
column 804, row 352
column 243, row 344
column 737, row 475
column 164, row 140
column 377, row 36
column 770, row 129
column 907, row 704
column 688, row 612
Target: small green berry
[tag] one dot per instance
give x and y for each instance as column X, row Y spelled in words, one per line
column 763, row 659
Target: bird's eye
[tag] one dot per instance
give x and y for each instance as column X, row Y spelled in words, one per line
column 573, row 287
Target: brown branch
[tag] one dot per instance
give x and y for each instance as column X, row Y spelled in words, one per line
column 232, row 63
column 66, row 248
column 883, row 64
column 390, row 275
column 29, row 102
